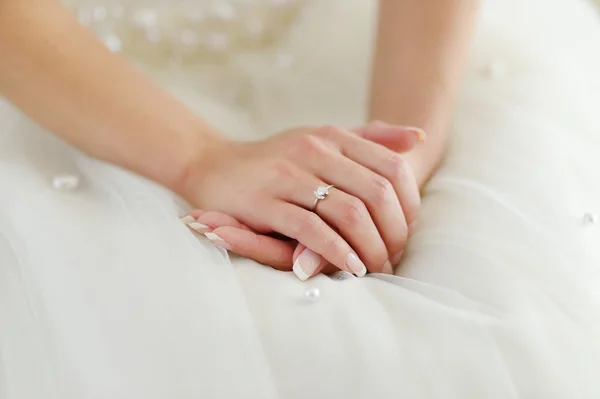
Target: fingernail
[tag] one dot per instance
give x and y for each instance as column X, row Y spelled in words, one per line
column 387, row 268
column 199, row 227
column 421, row 135
column 356, row 265
column 187, row 219
column 306, row 264
column 397, row 258
column 215, row 239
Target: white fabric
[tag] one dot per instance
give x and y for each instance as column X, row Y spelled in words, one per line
column 105, row 294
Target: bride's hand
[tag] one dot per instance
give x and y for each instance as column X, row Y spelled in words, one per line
column 228, row 233
column 268, row 186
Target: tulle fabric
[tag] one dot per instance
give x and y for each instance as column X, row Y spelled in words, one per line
column 104, row 294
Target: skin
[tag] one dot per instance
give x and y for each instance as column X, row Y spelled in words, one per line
column 56, row 71
column 419, row 55
column 263, row 185
column 237, row 237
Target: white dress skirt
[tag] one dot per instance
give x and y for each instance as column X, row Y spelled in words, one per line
column 105, row 294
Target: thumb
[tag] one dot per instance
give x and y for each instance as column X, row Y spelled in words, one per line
column 394, row 137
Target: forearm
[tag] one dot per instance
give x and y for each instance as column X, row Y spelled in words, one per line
column 59, row 74
column 420, row 51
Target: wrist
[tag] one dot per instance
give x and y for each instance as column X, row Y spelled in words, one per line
column 423, row 164
column 195, row 159
column 425, row 157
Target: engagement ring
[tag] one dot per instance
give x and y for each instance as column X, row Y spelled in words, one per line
column 320, row 194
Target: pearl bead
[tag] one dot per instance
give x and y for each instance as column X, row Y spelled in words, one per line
column 65, row 182
column 224, row 11
column 196, row 31
column 99, row 13
column 312, row 294
column 254, row 28
column 145, row 17
column 113, row 43
column 590, row 218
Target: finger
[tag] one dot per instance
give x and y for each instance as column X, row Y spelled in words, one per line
column 383, row 207
column 202, row 222
column 190, row 221
column 386, row 163
column 310, row 256
column 260, row 248
column 310, row 230
column 396, row 260
column 308, row 263
column 347, row 214
column 326, row 267
column 196, row 213
column 217, row 219
column 376, row 192
column 351, row 217
column 299, row 248
column 395, row 138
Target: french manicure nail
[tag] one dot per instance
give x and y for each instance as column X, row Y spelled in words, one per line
column 356, row 265
column 199, row 227
column 215, row 239
column 187, row 219
column 421, row 135
column 306, row 264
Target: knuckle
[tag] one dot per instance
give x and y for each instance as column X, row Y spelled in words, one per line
column 310, row 144
column 307, row 225
column 331, row 131
column 398, row 167
column 383, row 190
column 354, row 211
column 283, row 169
column 333, row 246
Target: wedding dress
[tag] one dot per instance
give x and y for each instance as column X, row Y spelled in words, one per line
column 105, row 294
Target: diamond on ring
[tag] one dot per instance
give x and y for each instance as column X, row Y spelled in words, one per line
column 321, row 193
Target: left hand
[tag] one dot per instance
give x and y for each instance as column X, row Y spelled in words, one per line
column 227, row 232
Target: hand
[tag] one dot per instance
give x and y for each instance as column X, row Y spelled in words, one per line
column 228, row 233
column 367, row 211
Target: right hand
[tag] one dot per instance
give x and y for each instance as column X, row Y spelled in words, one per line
column 268, row 186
